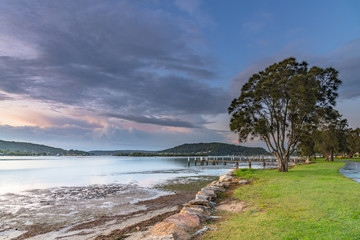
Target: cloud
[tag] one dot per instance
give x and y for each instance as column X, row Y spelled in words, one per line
column 241, row 78
column 4, row 97
column 108, row 56
column 345, row 59
column 153, row 120
column 189, row 6
column 108, row 138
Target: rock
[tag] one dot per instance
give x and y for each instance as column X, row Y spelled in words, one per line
column 186, row 221
column 243, row 182
column 202, row 197
column 226, row 184
column 213, row 183
column 231, row 173
column 202, row 215
column 213, row 204
column 217, row 184
column 225, row 178
column 168, row 229
column 214, row 188
column 199, row 202
column 151, row 237
column 201, row 209
column 208, row 192
column 204, row 229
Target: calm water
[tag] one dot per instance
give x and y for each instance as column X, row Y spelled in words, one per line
column 25, row 173
column 66, row 191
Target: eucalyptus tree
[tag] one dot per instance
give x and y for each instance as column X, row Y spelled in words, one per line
column 330, row 137
column 307, row 146
column 353, row 141
column 281, row 104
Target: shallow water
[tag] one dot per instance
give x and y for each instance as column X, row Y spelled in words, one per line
column 351, row 170
column 65, row 191
column 24, row 173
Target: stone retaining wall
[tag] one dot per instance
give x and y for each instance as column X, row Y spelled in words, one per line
column 194, row 213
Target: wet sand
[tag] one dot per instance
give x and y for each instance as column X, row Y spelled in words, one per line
column 89, row 212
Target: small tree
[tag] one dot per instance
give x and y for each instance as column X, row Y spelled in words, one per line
column 281, row 104
column 353, row 141
column 307, row 146
column 331, row 137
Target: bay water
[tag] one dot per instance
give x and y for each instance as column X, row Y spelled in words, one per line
column 62, row 192
column 39, row 172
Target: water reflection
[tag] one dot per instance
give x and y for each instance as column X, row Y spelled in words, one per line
column 24, row 173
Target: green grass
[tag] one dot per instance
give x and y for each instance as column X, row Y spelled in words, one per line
column 309, row 202
column 354, row 159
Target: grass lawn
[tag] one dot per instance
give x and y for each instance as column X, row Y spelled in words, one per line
column 354, row 159
column 309, row 202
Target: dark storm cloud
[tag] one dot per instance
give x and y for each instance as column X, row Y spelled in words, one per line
column 345, row 59
column 153, row 120
column 108, row 56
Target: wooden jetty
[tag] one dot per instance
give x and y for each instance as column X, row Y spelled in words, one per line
column 216, row 160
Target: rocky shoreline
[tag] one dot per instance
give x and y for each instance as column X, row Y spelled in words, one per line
column 103, row 213
column 183, row 225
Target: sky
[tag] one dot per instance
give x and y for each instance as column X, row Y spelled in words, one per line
column 153, row 74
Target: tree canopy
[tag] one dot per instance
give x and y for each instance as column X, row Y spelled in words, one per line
column 330, row 137
column 283, row 103
column 353, row 141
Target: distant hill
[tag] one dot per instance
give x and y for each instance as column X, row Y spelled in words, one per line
column 117, row 152
column 24, row 148
column 216, row 149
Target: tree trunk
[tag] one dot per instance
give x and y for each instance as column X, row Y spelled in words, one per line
column 332, row 155
column 283, row 164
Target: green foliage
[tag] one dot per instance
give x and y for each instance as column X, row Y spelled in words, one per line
column 309, row 202
column 331, row 137
column 26, row 149
column 353, row 141
column 216, row 149
column 282, row 103
column 307, row 146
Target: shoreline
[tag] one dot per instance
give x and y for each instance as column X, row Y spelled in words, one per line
column 103, row 221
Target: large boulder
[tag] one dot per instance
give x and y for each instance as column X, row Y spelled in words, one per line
column 186, row 221
column 203, row 215
column 218, row 184
column 202, row 209
column 214, row 188
column 207, row 192
column 168, row 229
column 198, row 202
column 225, row 178
column 202, row 197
